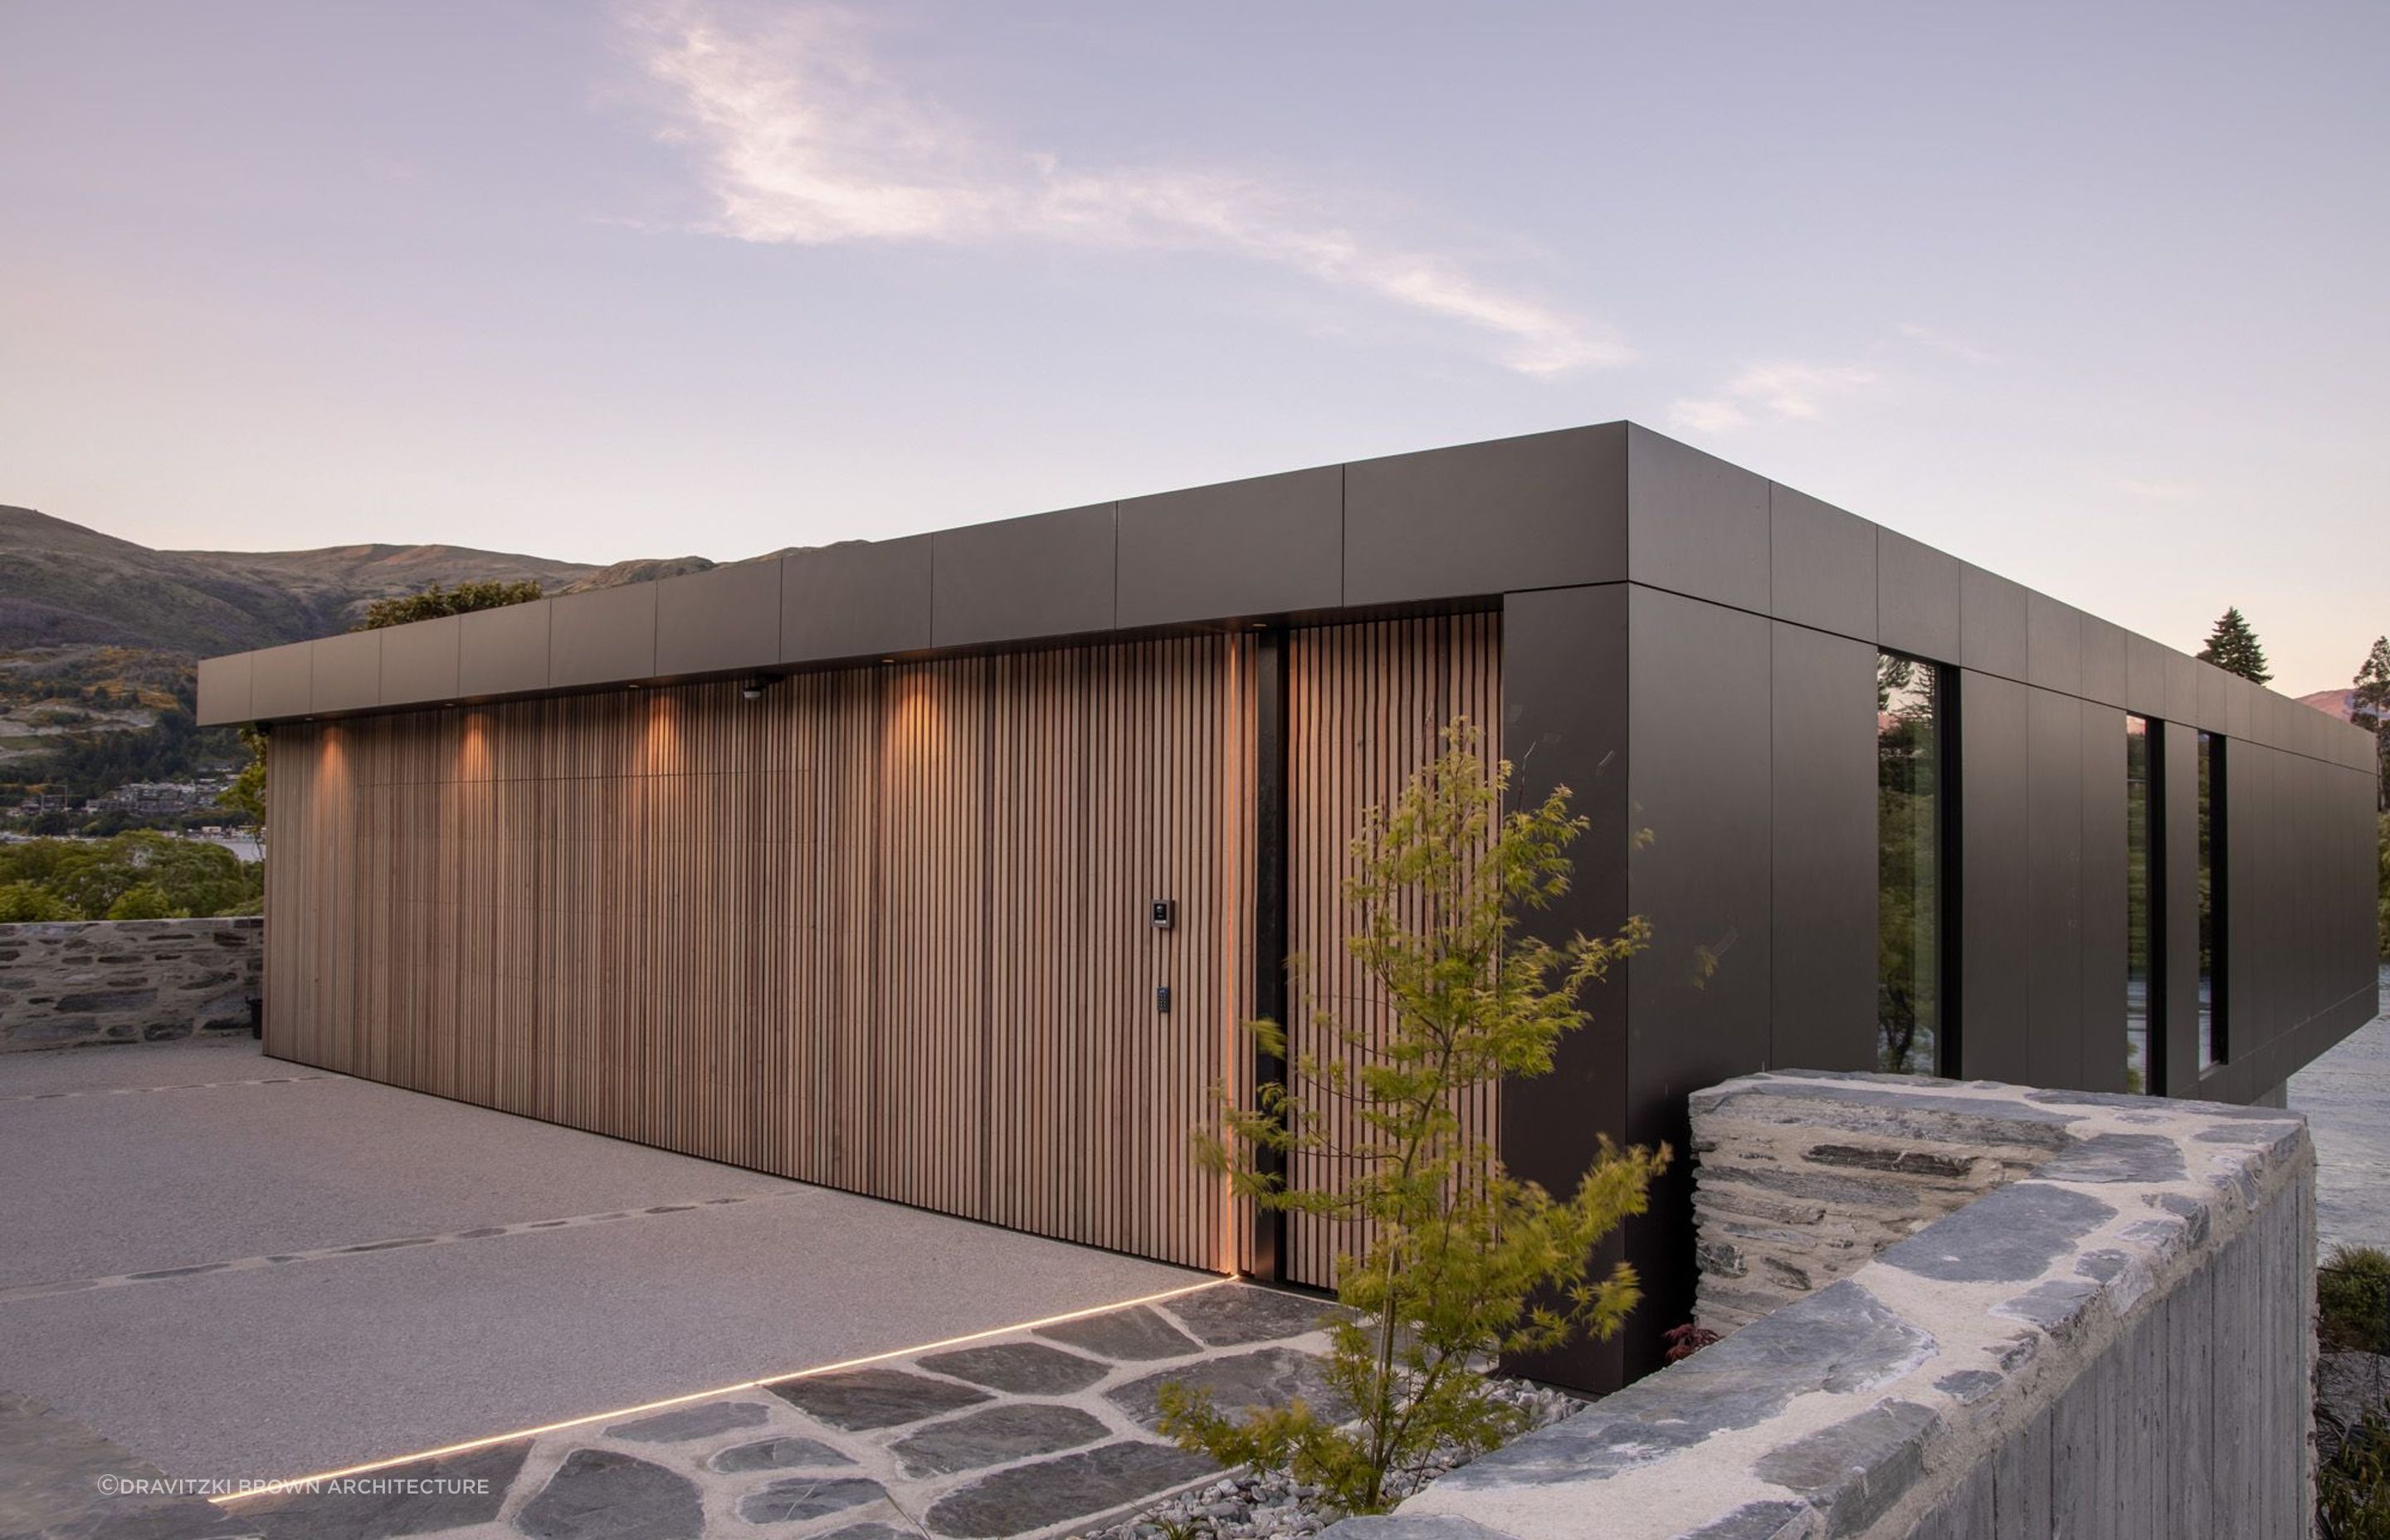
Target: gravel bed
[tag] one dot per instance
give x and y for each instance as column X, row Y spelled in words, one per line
column 1248, row 1505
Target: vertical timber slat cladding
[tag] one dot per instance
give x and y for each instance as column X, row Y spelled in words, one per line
column 886, row 930
column 1365, row 705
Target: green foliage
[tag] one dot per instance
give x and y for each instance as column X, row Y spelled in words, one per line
column 2352, row 1300
column 2232, row 646
column 2368, row 707
column 85, row 764
column 436, row 601
column 140, row 875
column 21, row 902
column 1908, row 869
column 2381, row 887
column 246, row 796
column 1457, row 1261
column 2353, row 1490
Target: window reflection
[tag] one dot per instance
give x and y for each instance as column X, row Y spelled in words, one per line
column 2140, row 883
column 2212, row 1039
column 1908, row 855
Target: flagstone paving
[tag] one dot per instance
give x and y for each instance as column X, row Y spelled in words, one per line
column 1032, row 1432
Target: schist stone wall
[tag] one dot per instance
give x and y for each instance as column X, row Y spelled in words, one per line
column 127, row 980
column 1794, row 1188
column 2060, row 1313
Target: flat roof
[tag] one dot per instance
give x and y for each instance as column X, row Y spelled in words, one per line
column 1609, row 503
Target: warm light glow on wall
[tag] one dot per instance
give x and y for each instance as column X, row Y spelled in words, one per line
column 660, row 743
column 473, row 749
column 913, row 724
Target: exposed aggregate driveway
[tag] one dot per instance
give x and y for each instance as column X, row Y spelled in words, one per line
column 225, row 1266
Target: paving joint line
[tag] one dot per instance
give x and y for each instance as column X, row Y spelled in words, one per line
column 144, row 1090
column 326, row 1253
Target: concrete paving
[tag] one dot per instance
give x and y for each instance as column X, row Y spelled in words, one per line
column 2346, row 1095
column 668, row 1275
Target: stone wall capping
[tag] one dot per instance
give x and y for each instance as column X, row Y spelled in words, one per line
column 1952, row 1308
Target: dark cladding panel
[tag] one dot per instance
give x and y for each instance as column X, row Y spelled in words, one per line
column 501, row 651
column 1699, row 999
column 1695, row 525
column 1824, row 861
column 604, row 636
column 345, row 673
column 729, row 618
column 223, row 689
column 1917, row 598
column 1545, row 511
column 2055, row 906
column 2145, row 676
column 1992, row 627
column 279, row 680
column 418, row 661
column 2104, row 898
column 2103, row 662
column 855, row 599
column 2255, row 885
column 1996, row 891
column 2053, row 640
column 1823, row 565
column 1271, row 546
column 2183, row 672
column 1564, row 671
column 2177, row 896
column 2240, row 706
column 1049, row 574
column 2214, row 695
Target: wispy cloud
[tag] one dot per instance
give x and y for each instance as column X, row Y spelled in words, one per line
column 802, row 140
column 1942, row 342
column 1788, row 391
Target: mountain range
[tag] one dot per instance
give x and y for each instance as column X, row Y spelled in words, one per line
column 63, row 585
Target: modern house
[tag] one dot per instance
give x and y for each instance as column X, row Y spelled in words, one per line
column 947, row 869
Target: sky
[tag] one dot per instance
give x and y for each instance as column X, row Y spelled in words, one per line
column 2092, row 295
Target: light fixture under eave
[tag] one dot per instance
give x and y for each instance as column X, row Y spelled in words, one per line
column 753, row 689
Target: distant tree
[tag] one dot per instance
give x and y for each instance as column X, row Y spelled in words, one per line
column 22, row 901
column 138, row 875
column 2368, row 707
column 2382, row 888
column 2232, row 646
column 246, row 796
column 436, row 601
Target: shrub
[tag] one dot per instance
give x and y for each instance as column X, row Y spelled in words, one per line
column 436, row 601
column 2352, row 1300
column 1458, row 1261
column 138, row 875
column 2353, row 1488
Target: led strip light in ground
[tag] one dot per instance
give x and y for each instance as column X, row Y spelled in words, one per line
column 277, row 1488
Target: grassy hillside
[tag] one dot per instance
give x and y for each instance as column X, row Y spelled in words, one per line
column 61, row 583
column 99, row 637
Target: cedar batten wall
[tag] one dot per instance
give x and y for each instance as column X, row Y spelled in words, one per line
column 1365, row 704
column 886, row 929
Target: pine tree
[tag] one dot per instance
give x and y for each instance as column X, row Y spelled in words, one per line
column 2368, row 707
column 2232, row 646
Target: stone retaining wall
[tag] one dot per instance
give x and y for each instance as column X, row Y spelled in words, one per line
column 2116, row 1343
column 130, row 980
column 1792, row 1191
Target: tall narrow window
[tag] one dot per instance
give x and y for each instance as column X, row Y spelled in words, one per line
column 1908, row 866
column 2214, row 1042
column 2141, row 879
